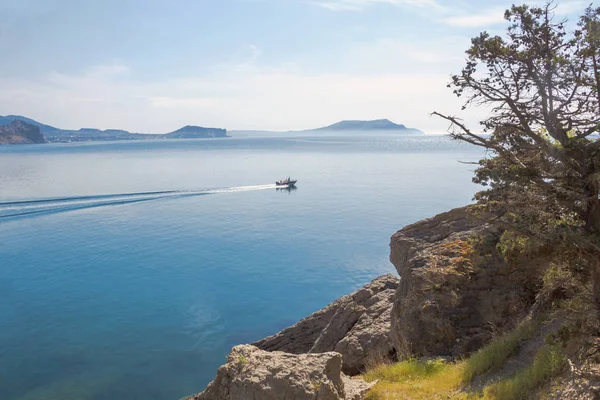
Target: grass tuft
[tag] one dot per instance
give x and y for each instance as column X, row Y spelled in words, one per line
column 406, row 370
column 491, row 357
column 438, row 379
column 548, row 362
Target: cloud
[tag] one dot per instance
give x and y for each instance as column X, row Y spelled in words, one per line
column 257, row 99
column 357, row 5
column 495, row 16
column 391, row 78
column 566, row 7
column 405, row 54
column 171, row 102
column 490, row 17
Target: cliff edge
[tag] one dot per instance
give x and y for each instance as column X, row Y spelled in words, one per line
column 19, row 132
column 457, row 294
column 456, row 291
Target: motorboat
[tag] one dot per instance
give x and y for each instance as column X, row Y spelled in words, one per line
column 286, row 182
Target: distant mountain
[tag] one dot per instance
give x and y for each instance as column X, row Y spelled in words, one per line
column 193, row 132
column 43, row 128
column 19, row 132
column 98, row 132
column 85, row 134
column 375, row 125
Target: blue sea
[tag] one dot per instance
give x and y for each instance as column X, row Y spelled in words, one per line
column 128, row 270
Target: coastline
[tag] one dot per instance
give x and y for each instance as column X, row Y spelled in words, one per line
column 445, row 306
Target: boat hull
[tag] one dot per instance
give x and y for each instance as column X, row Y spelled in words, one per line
column 290, row 183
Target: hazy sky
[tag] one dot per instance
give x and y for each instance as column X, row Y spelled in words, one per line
column 156, row 65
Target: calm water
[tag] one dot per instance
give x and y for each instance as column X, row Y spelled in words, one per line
column 108, row 291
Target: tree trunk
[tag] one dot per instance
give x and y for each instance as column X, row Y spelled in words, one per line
column 593, row 228
column 592, row 217
column 595, row 272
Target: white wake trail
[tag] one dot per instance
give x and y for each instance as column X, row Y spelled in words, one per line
column 32, row 207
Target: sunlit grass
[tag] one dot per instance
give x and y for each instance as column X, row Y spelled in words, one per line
column 416, row 380
column 437, row 379
column 548, row 362
column 406, row 370
column 491, row 357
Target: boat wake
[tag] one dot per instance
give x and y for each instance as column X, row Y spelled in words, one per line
column 33, row 207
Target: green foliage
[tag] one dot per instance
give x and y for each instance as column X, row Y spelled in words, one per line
column 242, row 361
column 513, row 245
column 556, row 276
column 492, row 357
column 548, row 362
column 484, row 247
column 541, row 82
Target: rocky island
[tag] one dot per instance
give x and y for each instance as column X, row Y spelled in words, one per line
column 458, row 297
column 378, row 125
column 194, row 132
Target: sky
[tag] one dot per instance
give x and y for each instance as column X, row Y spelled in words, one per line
column 153, row 66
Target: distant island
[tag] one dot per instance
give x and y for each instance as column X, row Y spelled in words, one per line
column 374, row 125
column 52, row 134
column 347, row 126
column 19, row 132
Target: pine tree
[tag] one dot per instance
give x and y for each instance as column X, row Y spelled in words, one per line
column 541, row 81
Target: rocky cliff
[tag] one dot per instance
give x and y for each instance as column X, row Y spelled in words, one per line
column 19, row 132
column 356, row 326
column 455, row 292
column 251, row 373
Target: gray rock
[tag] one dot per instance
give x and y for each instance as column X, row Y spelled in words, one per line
column 451, row 299
column 356, row 325
column 254, row 374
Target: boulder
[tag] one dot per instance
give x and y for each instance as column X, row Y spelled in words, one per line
column 356, row 325
column 251, row 373
column 455, row 291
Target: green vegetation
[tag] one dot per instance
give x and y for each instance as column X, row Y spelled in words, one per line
column 541, row 81
column 542, row 184
column 406, row 371
column 491, row 357
column 242, row 361
column 437, row 379
column 548, row 362
column 416, row 380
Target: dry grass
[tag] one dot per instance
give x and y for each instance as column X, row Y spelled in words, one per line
column 416, row 380
column 437, row 379
column 491, row 357
column 548, row 363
